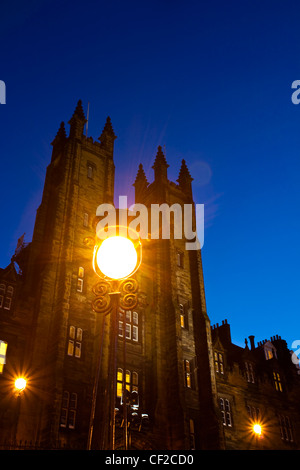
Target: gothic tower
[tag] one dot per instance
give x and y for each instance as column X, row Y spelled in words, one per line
column 59, row 279
column 180, row 378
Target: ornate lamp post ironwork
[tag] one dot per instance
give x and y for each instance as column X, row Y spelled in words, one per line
column 114, row 262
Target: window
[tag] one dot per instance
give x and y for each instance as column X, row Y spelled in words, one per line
column 254, row 413
column 192, row 435
column 131, row 382
column 270, row 350
column 286, row 432
column 3, row 348
column 180, row 258
column 80, row 279
column 131, row 325
column 268, row 353
column 7, row 303
column 225, row 412
column 249, row 372
column 85, row 219
column 90, row 171
column 183, row 312
column 75, row 341
column 68, row 410
column 219, row 362
column 189, row 370
column 187, row 373
column 6, row 295
column 277, row 381
column 135, row 381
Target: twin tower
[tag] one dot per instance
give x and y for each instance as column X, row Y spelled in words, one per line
column 169, row 360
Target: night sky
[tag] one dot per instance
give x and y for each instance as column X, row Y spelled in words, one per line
column 209, row 81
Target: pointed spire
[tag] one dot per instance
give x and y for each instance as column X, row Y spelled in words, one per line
column 61, row 135
column 184, row 175
column 141, row 178
column 140, row 184
column 77, row 121
column 160, row 159
column 79, row 113
column 108, row 130
column 160, row 166
column 108, row 136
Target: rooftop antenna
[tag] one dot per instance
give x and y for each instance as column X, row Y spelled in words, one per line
column 87, row 120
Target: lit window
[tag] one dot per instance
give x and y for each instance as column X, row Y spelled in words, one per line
column 75, row 341
column 249, row 372
column 225, row 412
column 187, row 373
column 219, row 362
column 277, row 381
column 80, row 279
column 3, row 348
column 131, row 382
column 119, row 382
column 286, row 431
column 268, row 353
column 81, row 272
column 182, row 316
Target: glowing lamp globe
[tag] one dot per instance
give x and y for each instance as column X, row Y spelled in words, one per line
column 20, row 384
column 117, row 257
column 257, row 429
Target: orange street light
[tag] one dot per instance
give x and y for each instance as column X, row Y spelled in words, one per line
column 257, row 429
column 20, row 384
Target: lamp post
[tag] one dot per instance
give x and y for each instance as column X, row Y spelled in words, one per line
column 115, row 260
column 19, row 387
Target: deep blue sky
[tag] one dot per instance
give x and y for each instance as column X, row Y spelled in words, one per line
column 210, row 81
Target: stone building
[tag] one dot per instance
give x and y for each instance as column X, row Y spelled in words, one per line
column 189, row 386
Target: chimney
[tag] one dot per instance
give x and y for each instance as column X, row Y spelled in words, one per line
column 251, row 338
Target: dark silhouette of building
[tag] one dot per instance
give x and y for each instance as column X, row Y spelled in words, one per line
column 189, row 387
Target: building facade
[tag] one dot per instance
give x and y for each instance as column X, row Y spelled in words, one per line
column 188, row 386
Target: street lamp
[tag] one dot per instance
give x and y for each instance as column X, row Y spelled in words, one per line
column 257, row 429
column 115, row 259
column 20, row 384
